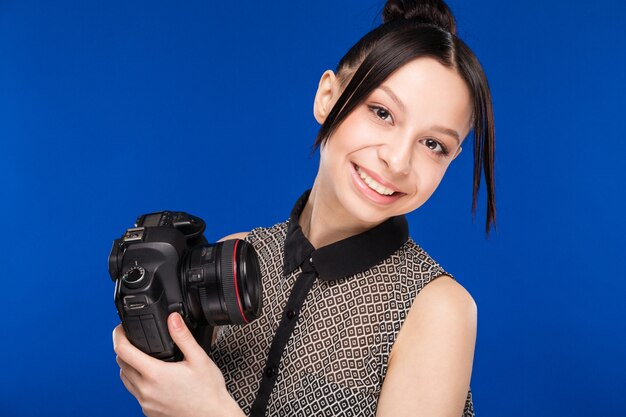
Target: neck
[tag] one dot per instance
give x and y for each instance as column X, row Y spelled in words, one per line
column 324, row 221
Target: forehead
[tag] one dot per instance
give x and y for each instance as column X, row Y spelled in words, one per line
column 431, row 92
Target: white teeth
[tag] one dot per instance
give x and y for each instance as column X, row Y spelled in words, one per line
column 379, row 188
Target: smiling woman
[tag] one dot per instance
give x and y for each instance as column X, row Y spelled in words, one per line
column 388, row 156
column 358, row 319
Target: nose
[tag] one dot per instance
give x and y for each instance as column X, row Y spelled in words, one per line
column 397, row 155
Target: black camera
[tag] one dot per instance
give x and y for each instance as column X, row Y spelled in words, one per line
column 165, row 264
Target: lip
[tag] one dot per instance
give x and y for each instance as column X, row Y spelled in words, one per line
column 370, row 194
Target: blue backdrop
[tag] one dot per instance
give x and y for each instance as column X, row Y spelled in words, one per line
column 111, row 109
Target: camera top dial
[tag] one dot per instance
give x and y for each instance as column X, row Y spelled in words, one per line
column 134, row 276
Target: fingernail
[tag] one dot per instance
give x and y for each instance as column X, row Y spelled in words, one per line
column 177, row 321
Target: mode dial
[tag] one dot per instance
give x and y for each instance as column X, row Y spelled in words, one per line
column 134, row 277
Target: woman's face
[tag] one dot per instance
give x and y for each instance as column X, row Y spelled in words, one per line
column 389, row 155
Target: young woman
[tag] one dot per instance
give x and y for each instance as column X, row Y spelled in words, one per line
column 358, row 319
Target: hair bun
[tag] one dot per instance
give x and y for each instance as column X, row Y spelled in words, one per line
column 434, row 12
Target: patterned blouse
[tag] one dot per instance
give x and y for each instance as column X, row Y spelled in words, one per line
column 330, row 317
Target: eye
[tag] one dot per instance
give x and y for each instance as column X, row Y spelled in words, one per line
column 435, row 146
column 381, row 113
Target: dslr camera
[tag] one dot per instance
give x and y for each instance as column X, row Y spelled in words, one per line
column 164, row 264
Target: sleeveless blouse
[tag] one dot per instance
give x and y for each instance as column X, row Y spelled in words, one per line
column 335, row 359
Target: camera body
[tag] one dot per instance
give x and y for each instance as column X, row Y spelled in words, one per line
column 164, row 264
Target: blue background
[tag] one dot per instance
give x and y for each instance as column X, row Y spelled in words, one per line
column 112, row 109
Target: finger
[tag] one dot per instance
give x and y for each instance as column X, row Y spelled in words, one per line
column 130, row 354
column 130, row 386
column 133, row 375
column 184, row 339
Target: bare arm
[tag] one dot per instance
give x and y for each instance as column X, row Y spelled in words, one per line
column 241, row 235
column 431, row 361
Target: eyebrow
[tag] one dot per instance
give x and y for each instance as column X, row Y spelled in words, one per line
column 440, row 129
column 394, row 97
column 447, row 131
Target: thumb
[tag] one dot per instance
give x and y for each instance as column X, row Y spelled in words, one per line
column 184, row 339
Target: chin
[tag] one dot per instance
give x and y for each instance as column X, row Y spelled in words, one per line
column 364, row 211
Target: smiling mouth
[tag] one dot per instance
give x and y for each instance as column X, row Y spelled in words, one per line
column 375, row 185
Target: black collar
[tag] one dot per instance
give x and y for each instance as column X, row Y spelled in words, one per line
column 345, row 257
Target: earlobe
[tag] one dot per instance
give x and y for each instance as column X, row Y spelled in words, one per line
column 326, row 96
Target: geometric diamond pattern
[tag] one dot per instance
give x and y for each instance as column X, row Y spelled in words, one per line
column 335, row 362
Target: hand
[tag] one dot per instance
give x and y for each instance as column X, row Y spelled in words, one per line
column 192, row 387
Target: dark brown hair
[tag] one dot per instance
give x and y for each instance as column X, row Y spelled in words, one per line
column 413, row 29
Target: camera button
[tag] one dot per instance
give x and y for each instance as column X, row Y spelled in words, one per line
column 134, row 302
column 195, row 275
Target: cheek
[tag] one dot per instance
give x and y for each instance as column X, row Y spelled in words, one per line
column 332, row 166
column 353, row 134
column 429, row 168
column 435, row 177
column 427, row 174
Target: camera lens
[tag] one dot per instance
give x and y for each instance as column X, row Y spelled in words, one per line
column 249, row 281
column 223, row 283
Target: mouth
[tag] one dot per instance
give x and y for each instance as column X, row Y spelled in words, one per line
column 377, row 190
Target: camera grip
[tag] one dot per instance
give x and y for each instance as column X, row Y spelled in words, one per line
column 146, row 328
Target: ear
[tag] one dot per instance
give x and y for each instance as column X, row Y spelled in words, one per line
column 458, row 151
column 326, row 96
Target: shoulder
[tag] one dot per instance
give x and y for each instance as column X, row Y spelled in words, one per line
column 261, row 235
column 240, row 235
column 414, row 257
column 442, row 304
column 444, row 294
column 434, row 348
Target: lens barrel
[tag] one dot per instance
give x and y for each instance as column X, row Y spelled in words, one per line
column 222, row 283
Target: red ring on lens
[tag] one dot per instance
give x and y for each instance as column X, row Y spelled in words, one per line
column 235, row 278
